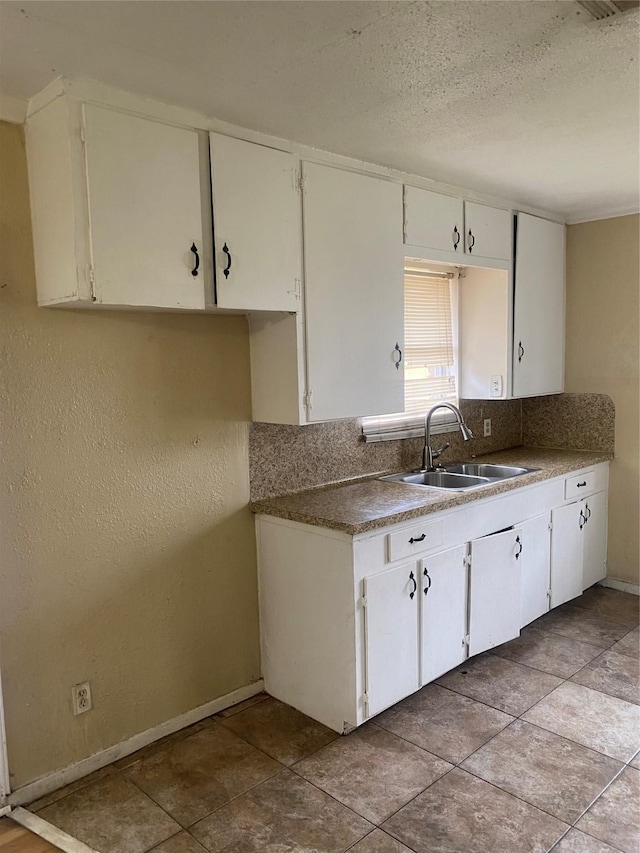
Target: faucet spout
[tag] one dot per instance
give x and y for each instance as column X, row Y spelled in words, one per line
column 428, row 454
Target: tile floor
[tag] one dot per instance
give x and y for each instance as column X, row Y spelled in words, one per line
column 533, row 747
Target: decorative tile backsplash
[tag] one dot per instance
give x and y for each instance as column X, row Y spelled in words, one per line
column 285, row 459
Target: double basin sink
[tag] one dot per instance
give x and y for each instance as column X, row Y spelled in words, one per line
column 459, row 478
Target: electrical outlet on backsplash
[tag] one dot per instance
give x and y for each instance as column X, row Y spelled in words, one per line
column 285, row 459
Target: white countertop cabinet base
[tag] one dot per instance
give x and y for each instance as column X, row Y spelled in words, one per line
column 350, row 625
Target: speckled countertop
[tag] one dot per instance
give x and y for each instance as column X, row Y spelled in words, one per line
column 366, row 504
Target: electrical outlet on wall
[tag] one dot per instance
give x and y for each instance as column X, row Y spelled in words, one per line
column 487, row 427
column 81, row 698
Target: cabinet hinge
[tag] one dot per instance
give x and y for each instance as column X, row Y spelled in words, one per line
column 549, row 594
column 91, row 278
column 466, row 640
column 466, row 561
column 297, row 288
column 365, row 702
column 551, row 525
column 83, row 136
column 306, row 401
column 300, row 181
column 363, row 601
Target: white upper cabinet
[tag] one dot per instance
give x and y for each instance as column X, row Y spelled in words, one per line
column 449, row 228
column 539, row 307
column 257, row 226
column 433, row 220
column 118, row 211
column 487, row 231
column 354, row 293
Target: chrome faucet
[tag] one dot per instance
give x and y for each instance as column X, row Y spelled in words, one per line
column 428, row 455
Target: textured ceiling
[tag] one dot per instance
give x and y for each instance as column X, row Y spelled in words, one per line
column 528, row 99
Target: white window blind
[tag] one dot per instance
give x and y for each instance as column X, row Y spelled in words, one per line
column 430, row 356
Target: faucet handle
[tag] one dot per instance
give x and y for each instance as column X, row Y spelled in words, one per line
column 436, row 453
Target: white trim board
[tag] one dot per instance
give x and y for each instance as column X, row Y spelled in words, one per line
column 623, row 586
column 59, row 778
column 50, row 833
column 12, row 110
column 602, row 213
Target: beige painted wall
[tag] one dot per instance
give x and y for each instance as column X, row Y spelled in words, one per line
column 127, row 551
column 603, row 355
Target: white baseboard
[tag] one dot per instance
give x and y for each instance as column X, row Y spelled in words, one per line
column 623, row 586
column 50, row 833
column 46, row 784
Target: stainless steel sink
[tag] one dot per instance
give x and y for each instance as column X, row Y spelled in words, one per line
column 494, row 472
column 439, row 480
column 459, row 478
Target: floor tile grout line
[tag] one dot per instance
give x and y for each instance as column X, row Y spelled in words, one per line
column 491, row 653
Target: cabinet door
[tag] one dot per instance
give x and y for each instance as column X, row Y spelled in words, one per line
column 494, row 590
column 145, row 212
column 535, row 567
column 594, row 560
column 566, row 552
column 487, row 231
column 443, row 618
column 391, row 635
column 354, row 293
column 257, row 226
column 432, row 220
column 538, row 328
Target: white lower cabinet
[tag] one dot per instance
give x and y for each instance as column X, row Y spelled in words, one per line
column 443, row 621
column 494, row 590
column 566, row 552
column 594, row 532
column 535, row 567
column 350, row 625
column 391, row 636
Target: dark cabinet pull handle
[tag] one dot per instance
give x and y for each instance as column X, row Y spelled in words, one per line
column 520, row 544
column 412, row 577
column 472, row 240
column 196, row 258
column 428, row 577
column 588, row 509
column 520, row 351
column 580, row 485
column 583, row 520
column 417, row 539
column 456, row 238
column 227, row 269
column 399, row 351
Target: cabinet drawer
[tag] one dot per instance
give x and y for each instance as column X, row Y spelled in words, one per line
column 580, row 485
column 414, row 540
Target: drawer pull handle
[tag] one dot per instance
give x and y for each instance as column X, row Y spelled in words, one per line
column 580, row 485
column 412, row 577
column 428, row 577
column 520, row 551
column 418, row 539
